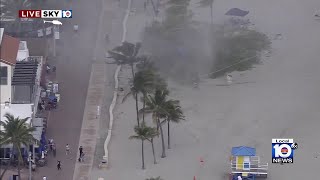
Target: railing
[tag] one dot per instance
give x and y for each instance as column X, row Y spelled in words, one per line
column 253, row 168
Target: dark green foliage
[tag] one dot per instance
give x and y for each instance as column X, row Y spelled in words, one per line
column 126, row 53
column 16, row 132
column 144, row 133
column 238, row 50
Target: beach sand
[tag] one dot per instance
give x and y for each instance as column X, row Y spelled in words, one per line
column 278, row 99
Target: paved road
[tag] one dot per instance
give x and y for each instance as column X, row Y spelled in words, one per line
column 75, row 55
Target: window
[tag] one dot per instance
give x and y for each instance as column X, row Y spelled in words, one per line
column 246, row 166
column 3, row 75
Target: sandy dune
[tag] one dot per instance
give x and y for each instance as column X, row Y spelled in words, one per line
column 277, row 99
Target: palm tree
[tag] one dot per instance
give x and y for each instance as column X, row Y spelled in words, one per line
column 18, row 133
column 151, row 133
column 205, row 3
column 146, row 63
column 143, row 82
column 151, row 81
column 10, row 9
column 174, row 114
column 152, row 178
column 143, row 133
column 156, row 104
column 126, row 53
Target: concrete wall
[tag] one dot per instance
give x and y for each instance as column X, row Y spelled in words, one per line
column 5, row 90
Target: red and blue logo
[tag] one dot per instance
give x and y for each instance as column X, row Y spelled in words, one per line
column 66, row 13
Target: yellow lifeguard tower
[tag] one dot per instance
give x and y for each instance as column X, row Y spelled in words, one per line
column 246, row 164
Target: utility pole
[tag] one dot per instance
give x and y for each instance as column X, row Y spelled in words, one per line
column 54, row 40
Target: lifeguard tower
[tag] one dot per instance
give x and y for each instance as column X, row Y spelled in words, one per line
column 246, row 164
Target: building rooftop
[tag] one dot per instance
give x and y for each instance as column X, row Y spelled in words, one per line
column 25, row 72
column 243, row 151
column 9, row 49
column 17, row 110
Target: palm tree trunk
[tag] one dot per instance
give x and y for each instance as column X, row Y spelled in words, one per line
column 162, row 140
column 132, row 71
column 19, row 169
column 142, row 152
column 137, row 108
column 144, row 105
column 154, row 156
column 211, row 13
column 169, row 147
column 19, row 161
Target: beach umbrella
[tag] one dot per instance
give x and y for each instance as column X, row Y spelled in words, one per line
column 237, row 12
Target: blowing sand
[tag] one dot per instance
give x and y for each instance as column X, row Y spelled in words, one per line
column 279, row 99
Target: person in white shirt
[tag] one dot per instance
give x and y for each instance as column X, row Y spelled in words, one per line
column 44, row 178
column 67, row 149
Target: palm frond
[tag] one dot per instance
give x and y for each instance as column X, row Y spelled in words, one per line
column 16, row 131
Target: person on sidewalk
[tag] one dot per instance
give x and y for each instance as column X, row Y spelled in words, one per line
column 80, row 150
column 59, row 165
column 67, row 149
column 81, row 157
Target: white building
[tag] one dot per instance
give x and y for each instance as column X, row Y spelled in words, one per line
column 18, row 110
column 20, row 76
column 9, row 47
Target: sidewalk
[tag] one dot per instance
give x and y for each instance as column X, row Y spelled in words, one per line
column 99, row 93
column 90, row 123
column 137, row 20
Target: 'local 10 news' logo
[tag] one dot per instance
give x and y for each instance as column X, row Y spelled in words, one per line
column 282, row 150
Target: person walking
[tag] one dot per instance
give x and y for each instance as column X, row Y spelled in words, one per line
column 59, row 165
column 67, row 149
column 80, row 150
column 81, row 157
